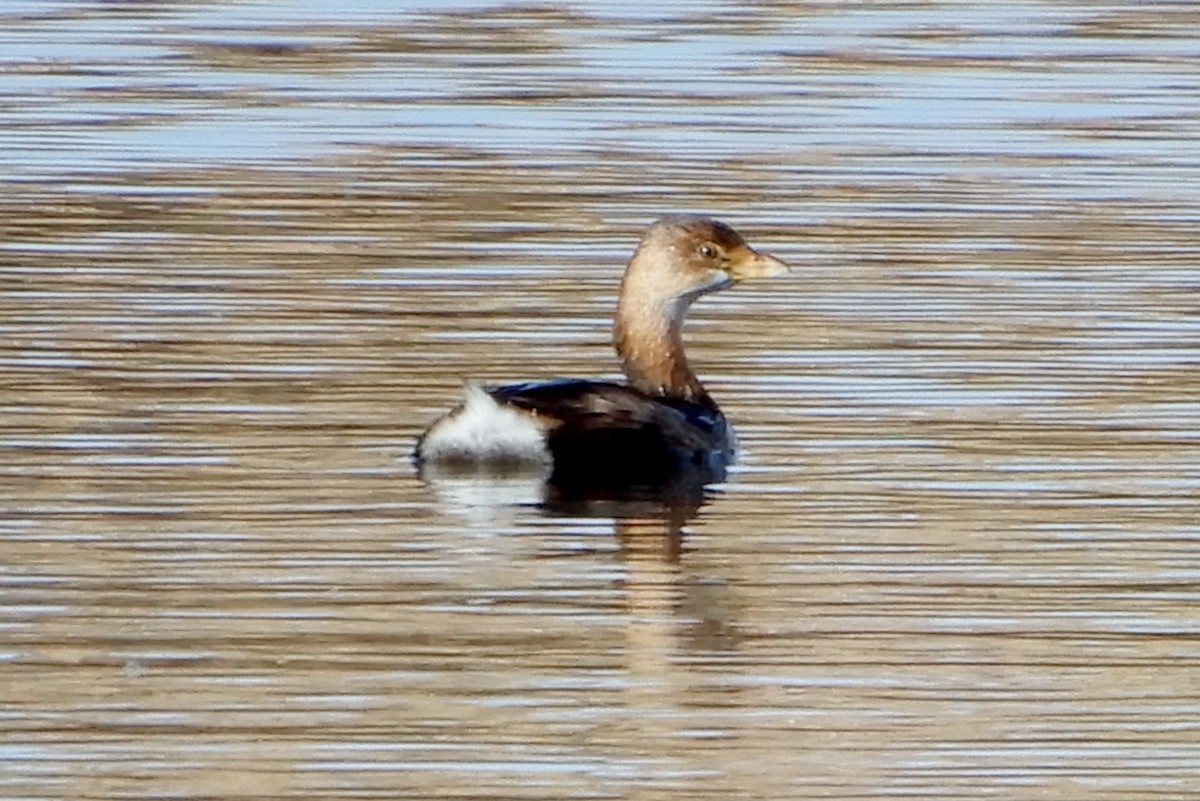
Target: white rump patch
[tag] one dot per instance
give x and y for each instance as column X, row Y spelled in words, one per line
column 482, row 430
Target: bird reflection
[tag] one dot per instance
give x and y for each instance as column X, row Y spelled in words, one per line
column 649, row 522
column 664, row 506
column 677, row 610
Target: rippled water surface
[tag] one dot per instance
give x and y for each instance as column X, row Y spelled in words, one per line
column 248, row 250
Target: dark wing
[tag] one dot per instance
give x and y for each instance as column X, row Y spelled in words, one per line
column 592, row 404
column 611, row 431
column 565, row 399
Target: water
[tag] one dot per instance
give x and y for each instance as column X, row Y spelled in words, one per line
column 248, row 250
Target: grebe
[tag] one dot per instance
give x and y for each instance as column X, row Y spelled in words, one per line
column 662, row 422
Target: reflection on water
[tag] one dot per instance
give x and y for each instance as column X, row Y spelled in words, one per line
column 249, row 250
column 487, row 489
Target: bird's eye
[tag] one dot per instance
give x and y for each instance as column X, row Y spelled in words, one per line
column 708, row 251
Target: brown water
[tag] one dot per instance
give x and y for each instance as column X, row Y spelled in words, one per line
column 247, row 251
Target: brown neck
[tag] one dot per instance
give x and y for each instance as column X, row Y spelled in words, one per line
column 649, row 338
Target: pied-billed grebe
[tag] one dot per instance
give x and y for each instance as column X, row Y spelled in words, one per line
column 662, row 421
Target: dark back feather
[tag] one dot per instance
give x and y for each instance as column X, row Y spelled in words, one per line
column 612, row 433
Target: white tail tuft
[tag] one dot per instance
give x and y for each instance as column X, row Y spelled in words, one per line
column 483, row 430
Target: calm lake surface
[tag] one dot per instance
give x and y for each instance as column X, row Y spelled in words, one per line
column 248, row 250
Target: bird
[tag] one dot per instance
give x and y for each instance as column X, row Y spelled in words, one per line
column 661, row 423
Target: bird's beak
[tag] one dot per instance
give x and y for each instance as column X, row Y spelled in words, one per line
column 749, row 263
